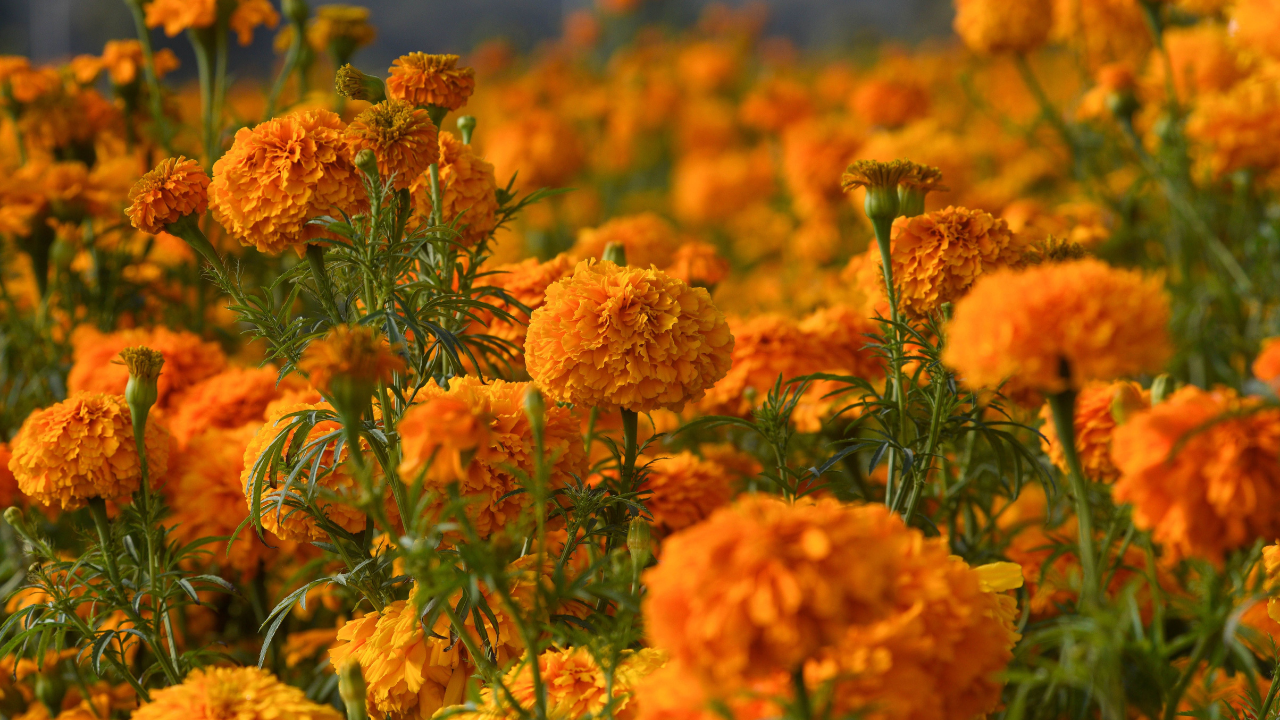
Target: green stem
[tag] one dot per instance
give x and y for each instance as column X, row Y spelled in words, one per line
column 315, row 258
column 153, row 81
column 290, row 62
column 590, row 437
column 435, row 194
column 884, row 231
column 925, row 467
column 804, row 711
column 219, row 89
column 201, row 43
column 1047, row 110
column 630, row 430
column 98, row 510
column 1063, row 407
column 1188, row 673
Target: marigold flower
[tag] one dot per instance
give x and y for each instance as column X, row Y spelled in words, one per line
column 350, row 354
column 683, row 490
column 207, row 498
column 401, row 136
column 188, row 360
column 489, row 476
column 176, row 188
column 434, row 437
column 539, row 147
column 1200, row 472
column 647, row 237
column 1266, row 367
column 225, row 401
column 280, row 174
column 776, row 104
column 613, row 337
column 1255, row 24
column 526, row 282
column 1235, row 129
column 993, row 26
column 422, row 79
column 294, row 523
column 939, row 255
column 468, row 191
column 889, row 103
column 698, row 264
column 1105, row 30
column 343, row 27
column 123, row 61
column 83, row 448
column 1096, row 410
column 179, row 15
column 1093, row 320
column 233, row 692
column 1203, row 60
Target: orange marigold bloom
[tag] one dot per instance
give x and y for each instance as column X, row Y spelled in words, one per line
column 647, row 237
column 544, row 148
column 401, row 136
column 123, row 61
column 187, row 358
column 354, row 354
column 509, row 446
column 468, row 191
column 280, row 174
column 938, row 256
column 683, row 490
column 83, row 448
column 775, row 104
column 423, row 79
column 1094, row 320
column 289, row 522
column 674, row 693
column 207, row 498
column 1255, row 24
column 888, row 103
column 1200, row 471
column 231, row 398
column 1104, row 30
column 1203, row 60
column 1235, row 130
column 233, row 692
column 434, row 436
column 176, row 188
column 996, row 26
column 698, row 264
column 619, row 337
column 526, row 282
column 1097, row 406
column 179, row 15
column 1266, row 367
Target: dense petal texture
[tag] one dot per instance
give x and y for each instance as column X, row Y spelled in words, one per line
column 232, row 693
column 422, row 79
column 177, row 187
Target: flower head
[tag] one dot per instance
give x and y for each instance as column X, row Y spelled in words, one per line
column 179, row 15
column 1234, row 129
column 647, row 238
column 938, row 256
column 233, row 397
column 424, row 80
column 401, row 136
column 1098, row 405
column 684, row 489
column 540, row 147
column 83, row 448
column 280, row 174
column 188, row 360
column 232, row 692
column 289, row 520
column 994, row 26
column 1054, row 327
column 617, row 337
column 814, row 153
column 341, row 29
column 1266, row 367
column 876, row 175
column 698, row 264
column 144, row 366
column 1255, row 25
column 176, row 188
column 1200, row 471
column 438, row 437
column 526, row 282
column 350, row 355
column 468, row 191
column 123, row 60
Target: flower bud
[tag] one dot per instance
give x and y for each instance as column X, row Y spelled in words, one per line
column 296, row 10
column 1161, row 388
column 352, row 689
column 615, row 253
column 355, row 85
column 144, row 366
column 1125, row 403
column 367, row 162
column 639, row 542
column 536, row 410
column 466, row 125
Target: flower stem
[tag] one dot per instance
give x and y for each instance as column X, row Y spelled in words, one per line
column 290, row 62
column 1063, row 407
column 153, row 81
column 630, row 425
column 315, row 258
column 884, row 231
column 98, row 510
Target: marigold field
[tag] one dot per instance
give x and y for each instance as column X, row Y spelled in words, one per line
column 656, row 374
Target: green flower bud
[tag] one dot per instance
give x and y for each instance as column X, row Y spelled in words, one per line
column 639, row 542
column 466, row 125
column 615, row 253
column 355, row 85
column 367, row 162
column 352, row 689
column 144, row 366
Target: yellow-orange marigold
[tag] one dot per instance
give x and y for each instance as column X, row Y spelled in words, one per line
column 1086, row 317
column 618, row 337
column 289, row 521
column 434, row 437
column 938, row 256
column 1097, row 405
column 233, row 692
column 179, row 15
column 509, row 449
column 1266, row 367
column 1200, row 471
column 231, row 398
column 710, row 188
column 540, row 147
column 683, row 490
column 526, row 282
column 467, row 191
column 698, row 264
column 83, row 448
column 177, row 187
column 401, row 136
column 647, row 237
column 350, row 353
column 279, row 175
column 997, row 26
column 423, row 79
column 1255, row 24
column 344, row 25
column 814, row 154
column 1234, row 129
column 123, row 61
column 187, row 360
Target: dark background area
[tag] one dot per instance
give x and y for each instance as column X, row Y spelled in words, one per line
column 52, row 30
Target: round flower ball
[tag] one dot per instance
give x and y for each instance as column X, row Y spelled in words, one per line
column 1200, row 471
column 618, row 337
column 423, row 79
column 1055, row 327
column 938, row 256
column 683, row 489
column 1097, row 406
column 290, row 522
column 176, row 188
column 999, row 26
column 188, row 360
column 83, row 448
column 244, row 693
column 280, row 174
column 468, row 188
column 401, row 136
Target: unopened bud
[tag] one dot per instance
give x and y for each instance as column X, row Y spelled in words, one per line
column 355, row 85
column 639, row 542
column 367, row 162
column 535, row 408
column 1126, row 401
column 1161, row 388
column 296, row 11
column 144, row 365
column 352, row 689
column 466, row 125
column 615, row 253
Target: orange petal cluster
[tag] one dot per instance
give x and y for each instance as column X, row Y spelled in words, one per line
column 647, row 237
column 401, row 136
column 177, row 187
column 187, row 360
column 232, row 692
column 422, row 79
column 467, row 191
column 1097, row 405
column 995, row 26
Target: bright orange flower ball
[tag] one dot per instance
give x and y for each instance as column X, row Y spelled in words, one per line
column 401, row 136
column 1095, row 422
column 187, row 360
column 232, row 692
column 467, row 191
column 998, row 26
column 422, row 79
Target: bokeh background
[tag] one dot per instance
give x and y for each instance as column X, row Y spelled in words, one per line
column 51, row 30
